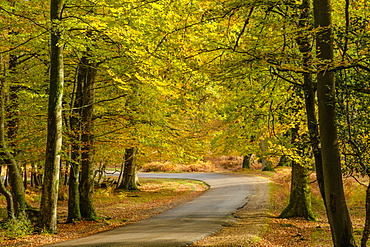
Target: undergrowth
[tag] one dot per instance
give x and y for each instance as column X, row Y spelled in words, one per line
column 16, row 228
column 199, row 166
column 314, row 233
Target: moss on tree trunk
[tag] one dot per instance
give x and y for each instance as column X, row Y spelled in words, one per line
column 300, row 194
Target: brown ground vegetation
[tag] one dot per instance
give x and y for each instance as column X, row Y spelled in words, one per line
column 115, row 209
column 252, row 225
column 255, row 227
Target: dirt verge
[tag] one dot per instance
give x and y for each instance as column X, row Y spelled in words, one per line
column 247, row 225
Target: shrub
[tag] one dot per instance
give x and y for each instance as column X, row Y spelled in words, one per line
column 17, row 228
column 160, row 167
column 200, row 166
column 229, row 163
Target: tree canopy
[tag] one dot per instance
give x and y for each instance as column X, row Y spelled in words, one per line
column 178, row 80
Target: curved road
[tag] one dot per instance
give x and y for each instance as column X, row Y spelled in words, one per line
column 186, row 223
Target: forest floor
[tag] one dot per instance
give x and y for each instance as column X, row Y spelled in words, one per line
column 252, row 225
column 114, row 208
column 255, row 228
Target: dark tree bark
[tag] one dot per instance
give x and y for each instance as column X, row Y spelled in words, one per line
column 17, row 186
column 74, row 213
column 129, row 181
column 309, row 89
column 247, row 161
column 9, row 200
column 3, row 189
column 336, row 207
column 15, row 175
column 87, row 150
column 300, row 194
column 49, row 198
column 14, row 170
column 366, row 233
column 284, row 161
column 313, row 130
column 300, row 190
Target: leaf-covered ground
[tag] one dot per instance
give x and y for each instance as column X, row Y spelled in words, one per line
column 252, row 225
column 262, row 228
column 115, row 209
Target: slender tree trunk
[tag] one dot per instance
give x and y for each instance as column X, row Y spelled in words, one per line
column 300, row 190
column 366, row 233
column 266, row 164
column 49, row 198
column 12, row 124
column 120, row 176
column 9, row 200
column 3, row 189
column 87, row 138
column 305, row 47
column 284, row 161
column 14, row 170
column 129, row 181
column 313, row 130
column 17, row 186
column 247, row 161
column 336, row 207
column 74, row 212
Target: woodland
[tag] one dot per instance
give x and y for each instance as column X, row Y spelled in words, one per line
column 86, row 84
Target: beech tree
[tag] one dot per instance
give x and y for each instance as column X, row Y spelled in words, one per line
column 48, row 206
column 336, row 207
column 300, row 181
column 87, row 139
column 129, row 180
column 3, row 189
column 12, row 60
column 352, row 95
column 175, row 79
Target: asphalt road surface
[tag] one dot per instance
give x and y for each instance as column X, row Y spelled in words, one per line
column 186, row 223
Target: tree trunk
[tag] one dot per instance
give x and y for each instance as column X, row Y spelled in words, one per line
column 3, row 189
column 366, row 233
column 49, row 198
column 14, row 170
column 9, row 200
column 17, row 186
column 120, row 176
column 300, row 190
column 74, row 212
column 266, row 164
column 305, row 48
column 336, row 207
column 12, row 124
column 129, row 181
column 313, row 130
column 247, row 161
column 300, row 194
column 284, row 161
column 87, row 139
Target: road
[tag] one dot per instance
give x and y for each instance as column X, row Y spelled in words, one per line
column 186, row 223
